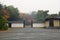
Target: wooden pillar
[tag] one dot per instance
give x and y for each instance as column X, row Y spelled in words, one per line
column 31, row 23
column 59, row 23
column 9, row 25
column 24, row 23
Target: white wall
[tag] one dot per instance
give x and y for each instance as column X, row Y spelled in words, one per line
column 17, row 25
column 38, row 24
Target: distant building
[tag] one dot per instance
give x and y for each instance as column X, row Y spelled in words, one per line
column 52, row 22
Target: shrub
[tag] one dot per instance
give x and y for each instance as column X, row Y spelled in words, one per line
column 3, row 25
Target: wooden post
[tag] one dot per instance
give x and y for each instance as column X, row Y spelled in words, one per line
column 31, row 23
column 24, row 23
column 9, row 25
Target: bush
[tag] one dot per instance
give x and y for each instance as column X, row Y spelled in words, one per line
column 3, row 25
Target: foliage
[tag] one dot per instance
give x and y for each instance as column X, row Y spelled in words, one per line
column 53, row 15
column 41, row 15
column 3, row 17
column 1, row 6
column 34, row 14
column 59, row 13
column 3, row 25
column 14, row 14
column 4, row 12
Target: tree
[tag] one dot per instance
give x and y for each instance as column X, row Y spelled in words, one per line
column 53, row 15
column 14, row 14
column 33, row 14
column 4, row 12
column 41, row 15
column 3, row 25
column 3, row 18
column 1, row 7
column 59, row 13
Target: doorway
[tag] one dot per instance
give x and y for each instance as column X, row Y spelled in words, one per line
column 28, row 24
column 51, row 23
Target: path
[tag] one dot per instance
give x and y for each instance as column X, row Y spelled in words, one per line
column 30, row 34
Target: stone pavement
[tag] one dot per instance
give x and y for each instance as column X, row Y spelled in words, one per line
column 30, row 34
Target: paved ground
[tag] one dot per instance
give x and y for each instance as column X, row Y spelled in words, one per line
column 30, row 34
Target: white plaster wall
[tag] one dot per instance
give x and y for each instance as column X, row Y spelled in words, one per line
column 17, row 25
column 38, row 24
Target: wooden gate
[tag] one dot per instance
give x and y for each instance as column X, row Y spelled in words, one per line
column 28, row 23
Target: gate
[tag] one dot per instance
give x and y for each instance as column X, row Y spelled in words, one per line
column 22, row 24
column 27, row 23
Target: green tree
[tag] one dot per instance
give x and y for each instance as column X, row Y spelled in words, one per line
column 53, row 15
column 3, row 25
column 1, row 7
column 14, row 14
column 59, row 13
column 33, row 14
column 41, row 15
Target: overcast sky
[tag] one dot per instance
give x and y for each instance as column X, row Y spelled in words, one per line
column 33, row 5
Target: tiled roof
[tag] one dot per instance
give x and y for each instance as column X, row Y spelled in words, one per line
column 55, row 18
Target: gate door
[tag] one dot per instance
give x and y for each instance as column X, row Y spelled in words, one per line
column 28, row 23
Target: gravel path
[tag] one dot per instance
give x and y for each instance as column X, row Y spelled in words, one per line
column 30, row 34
